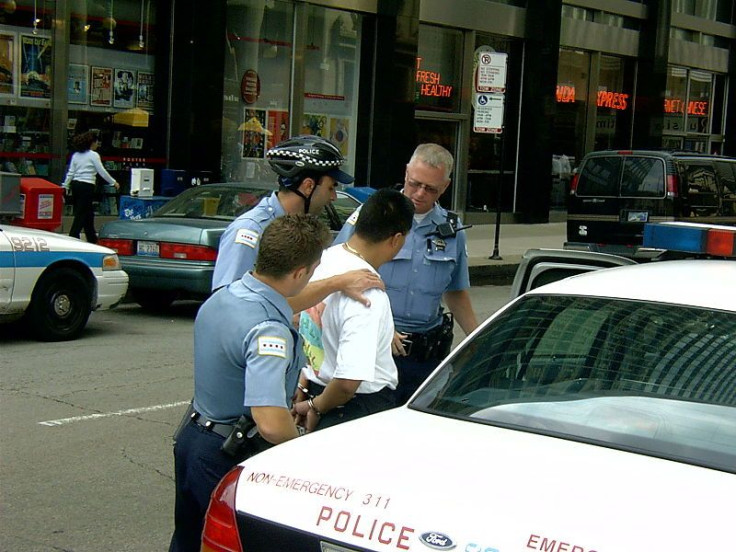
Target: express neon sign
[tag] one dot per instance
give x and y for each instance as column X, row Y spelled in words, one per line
column 613, row 100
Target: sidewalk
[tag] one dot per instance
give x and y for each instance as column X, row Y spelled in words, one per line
column 514, row 240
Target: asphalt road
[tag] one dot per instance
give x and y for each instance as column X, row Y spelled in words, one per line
column 85, row 440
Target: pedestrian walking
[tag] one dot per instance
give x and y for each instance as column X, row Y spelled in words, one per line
column 432, row 267
column 247, row 357
column 81, row 182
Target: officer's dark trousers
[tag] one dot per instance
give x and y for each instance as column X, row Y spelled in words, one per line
column 199, row 464
column 84, row 211
column 412, row 373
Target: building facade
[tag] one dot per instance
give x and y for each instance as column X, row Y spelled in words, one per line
column 519, row 91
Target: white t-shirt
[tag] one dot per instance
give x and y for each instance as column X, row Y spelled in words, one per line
column 355, row 340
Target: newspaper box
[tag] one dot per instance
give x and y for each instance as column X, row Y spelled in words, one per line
column 41, row 204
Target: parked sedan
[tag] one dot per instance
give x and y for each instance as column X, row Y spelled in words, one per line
column 172, row 254
column 55, row 282
column 594, row 413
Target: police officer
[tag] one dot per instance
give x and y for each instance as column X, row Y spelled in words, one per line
column 431, row 267
column 247, row 358
column 308, row 169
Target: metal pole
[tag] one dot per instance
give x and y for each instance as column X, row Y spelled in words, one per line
column 496, row 255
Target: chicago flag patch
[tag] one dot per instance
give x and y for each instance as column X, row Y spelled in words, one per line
column 272, row 346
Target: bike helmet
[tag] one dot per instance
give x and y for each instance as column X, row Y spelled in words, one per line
column 306, row 156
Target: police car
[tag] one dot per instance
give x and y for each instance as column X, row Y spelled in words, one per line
column 55, row 281
column 592, row 414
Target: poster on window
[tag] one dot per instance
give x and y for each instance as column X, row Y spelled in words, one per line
column 145, row 90
column 124, row 89
column 339, row 127
column 278, row 126
column 315, row 124
column 77, row 83
column 100, row 93
column 7, row 64
column 254, row 133
column 35, row 67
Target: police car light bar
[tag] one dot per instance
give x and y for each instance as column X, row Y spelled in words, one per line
column 687, row 237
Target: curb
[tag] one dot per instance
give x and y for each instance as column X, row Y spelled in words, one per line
column 493, row 275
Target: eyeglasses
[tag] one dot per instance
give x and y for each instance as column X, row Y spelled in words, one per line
column 414, row 185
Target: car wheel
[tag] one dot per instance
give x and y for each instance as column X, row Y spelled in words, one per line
column 60, row 305
column 153, row 299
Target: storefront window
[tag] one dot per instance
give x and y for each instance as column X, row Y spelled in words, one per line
column 331, row 74
column 571, row 95
column 258, row 52
column 674, row 101
column 111, row 86
column 614, row 103
column 438, row 74
column 26, row 57
column 487, row 183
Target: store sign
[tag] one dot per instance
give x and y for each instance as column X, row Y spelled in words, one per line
column 488, row 116
column 612, row 100
column 565, row 93
column 676, row 105
column 430, row 83
column 250, row 87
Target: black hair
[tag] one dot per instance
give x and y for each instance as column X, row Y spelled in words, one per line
column 384, row 214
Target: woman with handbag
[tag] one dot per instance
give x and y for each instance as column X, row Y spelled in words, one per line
column 81, row 181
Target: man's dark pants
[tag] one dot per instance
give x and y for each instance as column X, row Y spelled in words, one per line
column 412, row 373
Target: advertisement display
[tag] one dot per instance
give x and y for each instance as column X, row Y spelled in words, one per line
column 35, row 67
column 101, row 87
column 77, row 83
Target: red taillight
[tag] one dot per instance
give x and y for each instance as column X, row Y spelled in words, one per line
column 672, row 185
column 574, row 183
column 220, row 524
column 121, row 247
column 187, row 252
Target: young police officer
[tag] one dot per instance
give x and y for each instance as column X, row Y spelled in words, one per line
column 308, row 169
column 247, row 358
column 432, row 266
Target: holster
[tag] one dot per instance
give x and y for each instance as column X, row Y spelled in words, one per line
column 244, row 441
column 445, row 336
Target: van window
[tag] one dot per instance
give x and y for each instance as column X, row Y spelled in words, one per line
column 699, row 184
column 600, row 177
column 643, row 177
column 726, row 172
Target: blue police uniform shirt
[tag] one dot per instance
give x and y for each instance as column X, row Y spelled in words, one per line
column 246, row 351
column 241, row 239
column 424, row 269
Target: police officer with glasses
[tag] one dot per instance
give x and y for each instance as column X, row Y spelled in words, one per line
column 432, row 267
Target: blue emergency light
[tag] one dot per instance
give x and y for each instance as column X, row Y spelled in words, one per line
column 687, row 237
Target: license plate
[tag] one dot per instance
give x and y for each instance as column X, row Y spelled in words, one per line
column 637, row 216
column 148, row 248
column 329, row 547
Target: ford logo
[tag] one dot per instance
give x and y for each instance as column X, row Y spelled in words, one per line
column 438, row 541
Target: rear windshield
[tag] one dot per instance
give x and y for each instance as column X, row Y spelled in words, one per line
column 626, row 176
column 656, row 379
column 212, row 202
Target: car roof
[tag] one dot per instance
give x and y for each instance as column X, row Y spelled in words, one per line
column 698, row 283
column 666, row 154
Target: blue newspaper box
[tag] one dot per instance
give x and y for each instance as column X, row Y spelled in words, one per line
column 173, row 182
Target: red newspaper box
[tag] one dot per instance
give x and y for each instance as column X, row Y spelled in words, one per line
column 41, row 204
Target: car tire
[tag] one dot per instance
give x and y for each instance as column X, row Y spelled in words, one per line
column 153, row 299
column 60, row 305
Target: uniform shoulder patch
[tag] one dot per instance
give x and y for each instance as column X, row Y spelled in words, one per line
column 247, row 237
column 271, row 346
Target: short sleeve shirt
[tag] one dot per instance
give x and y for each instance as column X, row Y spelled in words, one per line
column 240, row 241
column 425, row 268
column 246, row 352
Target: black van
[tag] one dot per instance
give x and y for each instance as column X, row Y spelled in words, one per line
column 614, row 193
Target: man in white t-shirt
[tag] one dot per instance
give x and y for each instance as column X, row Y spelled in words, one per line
column 352, row 372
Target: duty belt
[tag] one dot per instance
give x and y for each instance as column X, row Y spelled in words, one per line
column 223, row 430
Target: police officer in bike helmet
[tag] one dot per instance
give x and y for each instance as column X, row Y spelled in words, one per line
column 308, row 169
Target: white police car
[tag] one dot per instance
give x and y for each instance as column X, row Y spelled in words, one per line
column 593, row 414
column 55, row 281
